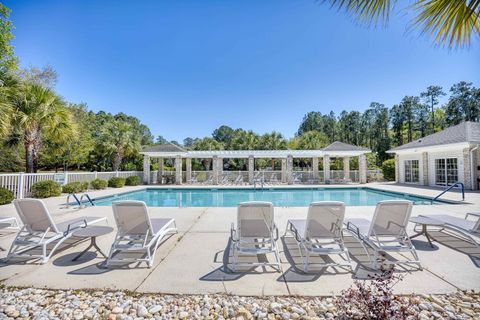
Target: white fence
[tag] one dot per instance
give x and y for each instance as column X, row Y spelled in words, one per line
column 21, row 183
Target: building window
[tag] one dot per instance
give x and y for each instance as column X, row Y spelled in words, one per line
column 446, row 171
column 412, row 174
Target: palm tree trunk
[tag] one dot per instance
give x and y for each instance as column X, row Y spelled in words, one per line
column 117, row 161
column 32, row 143
column 29, row 163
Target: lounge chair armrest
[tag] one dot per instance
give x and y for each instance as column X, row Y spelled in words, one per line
column 276, row 232
column 70, row 228
column 233, row 233
column 474, row 214
column 354, row 229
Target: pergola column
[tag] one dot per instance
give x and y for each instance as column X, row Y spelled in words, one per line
column 215, row 169
column 326, row 168
column 160, row 171
column 315, row 167
column 284, row 170
column 251, row 168
column 290, row 169
column 146, row 169
column 362, row 168
column 346, row 168
column 188, row 168
column 178, row 170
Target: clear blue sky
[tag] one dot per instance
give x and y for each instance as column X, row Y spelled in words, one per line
column 187, row 67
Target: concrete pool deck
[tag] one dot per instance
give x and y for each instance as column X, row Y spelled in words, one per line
column 193, row 261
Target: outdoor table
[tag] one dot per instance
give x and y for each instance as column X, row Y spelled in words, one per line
column 424, row 222
column 91, row 232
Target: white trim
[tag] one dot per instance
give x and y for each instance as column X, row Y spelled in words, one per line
column 440, row 147
column 256, row 153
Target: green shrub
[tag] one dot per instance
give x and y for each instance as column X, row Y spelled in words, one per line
column 75, row 187
column 132, row 181
column 6, row 196
column 116, row 182
column 388, row 169
column 99, row 184
column 45, row 189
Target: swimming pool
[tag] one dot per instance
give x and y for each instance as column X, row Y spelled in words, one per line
column 280, row 197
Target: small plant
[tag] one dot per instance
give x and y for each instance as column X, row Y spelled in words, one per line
column 6, row 196
column 75, row 187
column 99, row 184
column 373, row 299
column 132, row 181
column 45, row 189
column 116, row 182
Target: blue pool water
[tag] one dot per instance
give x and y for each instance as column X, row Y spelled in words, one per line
column 279, row 197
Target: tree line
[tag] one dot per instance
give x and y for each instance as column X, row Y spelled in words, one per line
column 40, row 130
column 379, row 127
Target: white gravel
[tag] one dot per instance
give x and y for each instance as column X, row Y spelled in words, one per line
column 30, row 303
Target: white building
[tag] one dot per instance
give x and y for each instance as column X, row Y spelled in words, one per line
column 443, row 158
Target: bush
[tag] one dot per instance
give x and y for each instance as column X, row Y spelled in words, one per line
column 388, row 169
column 6, row 196
column 99, row 184
column 132, row 181
column 45, row 189
column 75, row 187
column 116, row 182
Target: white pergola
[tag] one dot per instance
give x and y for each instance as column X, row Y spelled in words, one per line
column 334, row 150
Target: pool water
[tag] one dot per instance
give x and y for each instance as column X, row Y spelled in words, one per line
column 298, row 197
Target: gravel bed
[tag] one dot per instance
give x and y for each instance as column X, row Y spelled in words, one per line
column 30, row 303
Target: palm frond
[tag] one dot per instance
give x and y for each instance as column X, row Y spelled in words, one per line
column 450, row 22
column 367, row 11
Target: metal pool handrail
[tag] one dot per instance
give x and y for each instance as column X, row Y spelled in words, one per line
column 451, row 187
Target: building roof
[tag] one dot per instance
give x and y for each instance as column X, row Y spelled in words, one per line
column 164, row 147
column 337, row 148
column 467, row 131
column 341, row 146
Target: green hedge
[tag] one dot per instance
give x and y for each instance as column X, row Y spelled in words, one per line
column 6, row 196
column 45, row 189
column 99, row 184
column 116, row 182
column 388, row 169
column 75, row 187
column 132, row 181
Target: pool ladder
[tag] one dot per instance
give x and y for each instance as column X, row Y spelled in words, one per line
column 456, row 184
column 79, row 201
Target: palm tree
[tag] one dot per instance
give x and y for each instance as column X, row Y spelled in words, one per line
column 8, row 89
column 449, row 22
column 207, row 144
column 312, row 140
column 273, row 141
column 117, row 141
column 37, row 112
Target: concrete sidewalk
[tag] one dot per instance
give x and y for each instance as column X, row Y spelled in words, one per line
column 195, row 260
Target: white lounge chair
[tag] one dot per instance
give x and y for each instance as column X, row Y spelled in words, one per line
column 239, row 179
column 255, row 233
column 468, row 229
column 137, row 233
column 386, row 233
column 39, row 230
column 320, row 234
